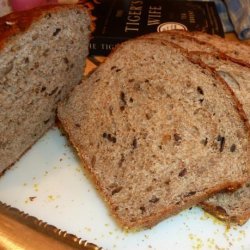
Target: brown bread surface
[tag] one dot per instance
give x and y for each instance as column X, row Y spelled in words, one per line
column 154, row 131
column 236, row 75
column 231, row 206
column 235, row 70
column 42, row 55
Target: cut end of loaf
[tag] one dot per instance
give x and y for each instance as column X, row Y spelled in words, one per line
column 41, row 59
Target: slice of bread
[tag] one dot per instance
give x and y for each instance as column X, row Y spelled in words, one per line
column 154, row 129
column 42, row 55
column 231, row 206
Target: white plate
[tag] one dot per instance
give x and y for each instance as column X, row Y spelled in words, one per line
column 49, row 183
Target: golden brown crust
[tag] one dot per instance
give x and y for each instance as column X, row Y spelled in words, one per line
column 18, row 22
column 193, row 35
column 185, row 35
column 217, row 37
column 221, row 56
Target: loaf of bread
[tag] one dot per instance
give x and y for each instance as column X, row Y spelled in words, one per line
column 155, row 130
column 42, row 55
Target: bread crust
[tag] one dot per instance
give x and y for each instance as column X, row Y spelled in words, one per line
column 17, row 23
column 196, row 34
column 220, row 213
column 181, row 35
column 221, row 56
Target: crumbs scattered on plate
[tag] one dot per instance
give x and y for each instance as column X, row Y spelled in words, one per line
column 32, row 198
column 35, row 186
column 51, row 197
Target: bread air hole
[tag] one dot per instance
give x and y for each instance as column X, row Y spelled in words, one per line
column 134, row 143
column 190, row 194
column 154, row 199
column 143, row 209
column 56, row 32
column 66, row 60
column 122, row 159
column 26, row 60
column 177, row 139
column 116, row 190
column 46, row 121
column 233, row 148
column 183, row 172
column 200, row 90
column 43, row 88
column 35, row 36
column 46, row 53
column 53, row 91
column 6, row 69
column 109, row 137
column 48, row 16
column 204, row 141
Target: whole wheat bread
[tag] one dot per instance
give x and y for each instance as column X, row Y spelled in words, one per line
column 236, row 75
column 231, row 206
column 156, row 138
column 42, row 54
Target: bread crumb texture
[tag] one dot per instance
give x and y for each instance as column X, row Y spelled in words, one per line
column 39, row 65
column 157, row 132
